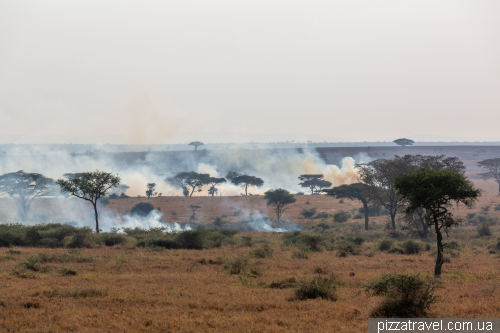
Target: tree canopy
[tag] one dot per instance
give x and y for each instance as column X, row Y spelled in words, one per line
column 357, row 191
column 379, row 176
column 404, row 142
column 279, row 198
column 315, row 182
column 90, row 186
column 246, row 181
column 189, row 181
column 435, row 191
column 25, row 187
column 213, row 182
column 196, row 144
column 151, row 190
column 492, row 167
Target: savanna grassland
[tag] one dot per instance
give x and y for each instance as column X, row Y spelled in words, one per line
column 239, row 282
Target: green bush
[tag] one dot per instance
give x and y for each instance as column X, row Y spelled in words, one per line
column 406, row 295
column 385, row 244
column 263, row 252
column 481, row 218
column 341, row 216
column 411, row 247
column 497, row 207
column 300, row 255
column 484, row 230
column 235, row 266
column 322, row 215
column 111, row 239
column 286, row 283
column 142, row 208
column 317, row 287
column 308, row 213
column 310, row 241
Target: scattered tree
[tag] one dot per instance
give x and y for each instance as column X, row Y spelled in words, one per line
column 196, row 144
column 189, row 181
column 355, row 191
column 279, row 198
column 379, row 176
column 213, row 182
column 246, row 181
column 314, row 182
column 435, row 191
column 492, row 167
column 194, row 208
column 25, row 187
column 404, row 142
column 150, row 192
column 90, row 186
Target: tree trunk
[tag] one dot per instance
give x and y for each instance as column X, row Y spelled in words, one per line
column 365, row 207
column 439, row 259
column 246, row 190
column 393, row 219
column 96, row 217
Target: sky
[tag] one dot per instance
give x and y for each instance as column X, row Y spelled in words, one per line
column 176, row 71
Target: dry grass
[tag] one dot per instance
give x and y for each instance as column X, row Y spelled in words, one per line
column 129, row 289
column 135, row 290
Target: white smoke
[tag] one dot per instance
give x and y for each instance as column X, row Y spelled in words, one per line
column 150, row 221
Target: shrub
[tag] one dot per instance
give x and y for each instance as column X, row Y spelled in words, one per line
column 142, row 208
column 67, row 271
column 358, row 216
column 235, row 266
column 286, row 283
column 300, row 255
column 483, row 230
column 322, row 215
column 341, row 216
column 385, row 244
column 317, row 288
column 358, row 240
column 247, row 241
column 308, row 213
column 111, row 239
column 481, row 218
column 411, row 247
column 406, row 295
column 497, row 207
column 313, row 242
column 263, row 252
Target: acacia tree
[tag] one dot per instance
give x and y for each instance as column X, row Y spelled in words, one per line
column 492, row 167
column 246, row 181
column 196, row 144
column 379, row 176
column 314, row 182
column 213, row 182
column 404, row 142
column 150, row 190
column 231, row 174
column 90, row 186
column 279, row 198
column 435, row 191
column 189, row 181
column 25, row 187
column 355, row 191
